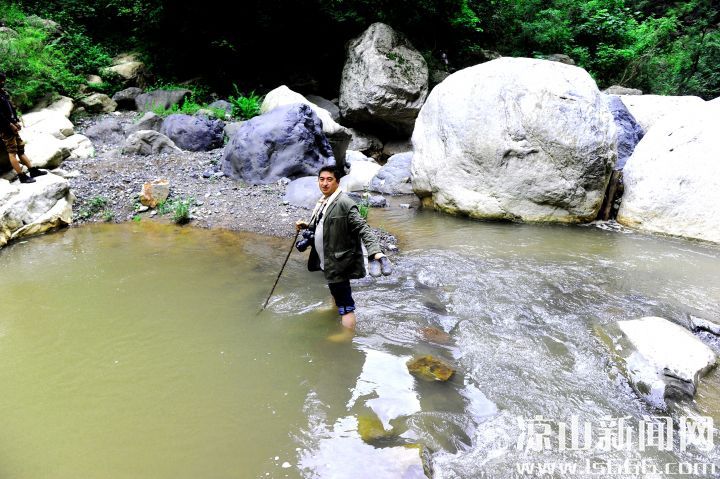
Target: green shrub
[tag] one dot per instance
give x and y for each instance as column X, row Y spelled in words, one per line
column 93, row 206
column 245, row 107
column 181, row 210
column 39, row 62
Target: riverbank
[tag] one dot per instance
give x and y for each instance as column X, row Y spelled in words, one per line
column 107, row 188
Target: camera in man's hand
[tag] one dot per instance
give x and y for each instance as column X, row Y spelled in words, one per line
column 308, row 236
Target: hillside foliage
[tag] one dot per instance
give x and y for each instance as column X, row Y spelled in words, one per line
column 663, row 47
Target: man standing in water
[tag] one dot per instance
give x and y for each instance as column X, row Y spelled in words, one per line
column 339, row 237
column 9, row 133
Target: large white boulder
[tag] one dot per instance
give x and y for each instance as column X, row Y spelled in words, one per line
column 384, row 81
column 30, row 209
column 517, row 139
column 362, row 171
column 283, row 95
column 45, row 150
column 338, row 136
column 63, row 105
column 672, row 179
column 665, row 360
column 80, row 146
column 649, row 109
column 48, row 121
column 127, row 66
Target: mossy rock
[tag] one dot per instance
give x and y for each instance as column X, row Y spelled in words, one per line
column 371, row 428
column 430, row 368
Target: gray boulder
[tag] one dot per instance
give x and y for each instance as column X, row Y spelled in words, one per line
column 303, row 192
column 394, row 147
column 377, row 201
column 621, row 90
column 149, row 142
column 629, row 132
column 149, row 121
column 128, row 67
column 384, row 81
column 160, row 98
column 194, row 133
column 394, row 177
column 337, row 135
column 223, row 105
column 232, row 128
column 98, row 103
column 105, row 132
column 125, row 99
column 364, row 142
column 547, row 157
column 285, row 142
column 325, row 104
column 560, row 58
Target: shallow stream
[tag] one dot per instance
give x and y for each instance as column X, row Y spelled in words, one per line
column 136, row 350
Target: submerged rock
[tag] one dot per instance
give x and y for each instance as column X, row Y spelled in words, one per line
column 515, row 139
column 701, row 324
column 430, row 368
column 371, row 428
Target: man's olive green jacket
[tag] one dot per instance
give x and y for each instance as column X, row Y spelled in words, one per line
column 343, row 231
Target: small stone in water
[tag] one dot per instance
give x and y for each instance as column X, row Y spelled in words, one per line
column 285, row 465
column 430, row 368
column 405, row 205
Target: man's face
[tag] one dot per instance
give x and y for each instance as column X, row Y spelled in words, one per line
column 327, row 182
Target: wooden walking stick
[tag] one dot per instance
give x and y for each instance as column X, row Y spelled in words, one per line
column 281, row 272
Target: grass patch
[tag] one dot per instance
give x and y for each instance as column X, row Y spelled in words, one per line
column 179, row 208
column 92, row 207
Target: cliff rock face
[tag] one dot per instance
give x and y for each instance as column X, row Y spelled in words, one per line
column 515, row 139
column 384, row 82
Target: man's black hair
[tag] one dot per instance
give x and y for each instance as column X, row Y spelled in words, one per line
column 329, row 168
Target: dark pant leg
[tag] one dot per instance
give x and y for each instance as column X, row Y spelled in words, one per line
column 342, row 294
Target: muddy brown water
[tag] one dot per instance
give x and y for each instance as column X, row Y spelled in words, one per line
column 136, row 350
